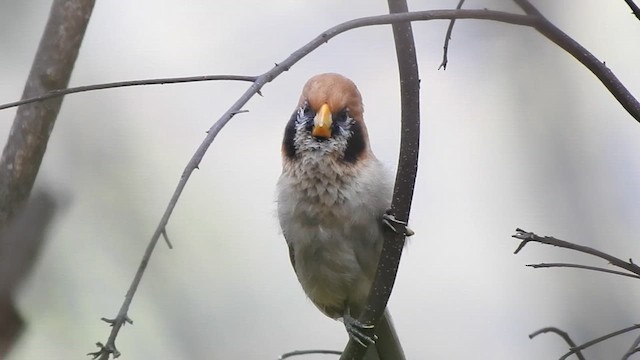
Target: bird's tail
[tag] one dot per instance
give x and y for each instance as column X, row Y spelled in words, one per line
column 387, row 347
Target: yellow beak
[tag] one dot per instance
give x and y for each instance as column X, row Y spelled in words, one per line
column 322, row 122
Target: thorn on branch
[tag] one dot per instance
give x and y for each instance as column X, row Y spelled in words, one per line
column 233, row 113
column 166, row 238
column 113, row 322
column 524, row 236
column 104, row 350
column 447, row 37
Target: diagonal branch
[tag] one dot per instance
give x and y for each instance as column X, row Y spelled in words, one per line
column 527, row 237
column 633, row 349
column 634, row 8
column 597, row 67
column 576, row 349
column 585, row 267
column 447, row 38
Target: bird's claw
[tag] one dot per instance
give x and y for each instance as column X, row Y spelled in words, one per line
column 391, row 222
column 359, row 331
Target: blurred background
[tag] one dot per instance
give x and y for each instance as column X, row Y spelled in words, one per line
column 516, row 133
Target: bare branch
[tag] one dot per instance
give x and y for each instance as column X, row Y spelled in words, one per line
column 563, row 335
column 23, row 223
column 577, row 266
column 634, row 8
column 574, row 350
column 308, row 352
column 447, row 37
column 403, row 190
column 165, row 236
column 633, row 349
column 62, row 92
column 527, row 237
column 51, row 69
column 597, row 67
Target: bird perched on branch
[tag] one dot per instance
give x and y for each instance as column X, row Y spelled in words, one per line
column 332, row 199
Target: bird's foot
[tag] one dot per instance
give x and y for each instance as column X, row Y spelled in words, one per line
column 358, row 331
column 391, row 222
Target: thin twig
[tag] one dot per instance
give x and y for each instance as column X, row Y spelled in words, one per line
column 563, row 335
column 447, row 37
column 527, row 237
column 598, row 340
column 634, row 8
column 586, row 267
column 597, row 67
column 119, row 84
column 308, row 352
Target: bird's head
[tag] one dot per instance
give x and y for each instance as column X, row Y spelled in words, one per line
column 327, row 122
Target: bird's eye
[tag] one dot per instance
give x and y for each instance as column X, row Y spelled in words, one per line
column 305, row 110
column 342, row 116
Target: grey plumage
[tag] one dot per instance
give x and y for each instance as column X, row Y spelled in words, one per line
column 331, row 197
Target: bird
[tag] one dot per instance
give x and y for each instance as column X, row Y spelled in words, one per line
column 333, row 197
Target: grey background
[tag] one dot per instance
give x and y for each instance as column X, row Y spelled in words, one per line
column 515, row 133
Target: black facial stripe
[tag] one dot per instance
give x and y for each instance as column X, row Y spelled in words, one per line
column 355, row 143
column 289, row 135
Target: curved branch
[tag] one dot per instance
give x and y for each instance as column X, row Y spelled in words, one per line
column 585, row 267
column 403, row 190
column 563, row 335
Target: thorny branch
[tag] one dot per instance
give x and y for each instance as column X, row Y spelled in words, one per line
column 597, row 67
column 447, row 38
column 634, row 8
column 528, row 237
column 533, row 19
